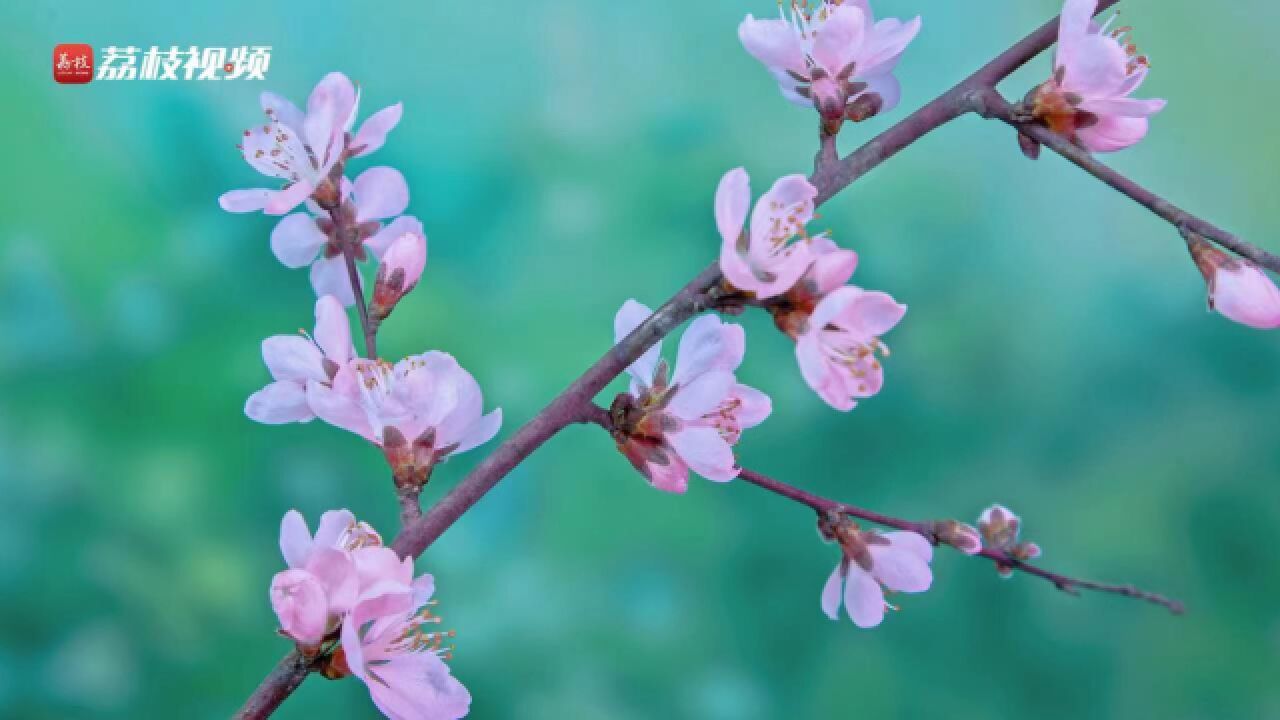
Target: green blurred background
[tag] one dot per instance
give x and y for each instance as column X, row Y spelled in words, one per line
column 1057, row 357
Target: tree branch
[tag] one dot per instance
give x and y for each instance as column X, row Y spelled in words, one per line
column 1067, row 584
column 362, row 308
column 995, row 106
column 570, row 405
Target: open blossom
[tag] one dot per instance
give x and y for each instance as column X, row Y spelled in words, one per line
column 398, row 273
column 342, row 568
column 401, row 658
column 419, row 411
column 837, row 347
column 761, row 259
column 1238, row 288
column 302, row 149
column 295, row 360
column 833, row 56
column 871, row 563
column 691, row 419
column 1095, row 72
column 303, row 239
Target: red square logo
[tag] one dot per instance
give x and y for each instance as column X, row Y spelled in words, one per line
column 73, row 63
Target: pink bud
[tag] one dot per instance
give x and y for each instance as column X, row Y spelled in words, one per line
column 399, row 272
column 1238, row 288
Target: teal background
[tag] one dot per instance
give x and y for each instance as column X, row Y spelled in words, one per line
column 1057, row 357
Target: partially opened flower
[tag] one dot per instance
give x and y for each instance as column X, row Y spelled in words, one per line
column 342, row 569
column 833, row 56
column 871, row 563
column 303, row 239
column 1096, row 69
column 303, row 149
column 398, row 273
column 401, row 658
column 690, row 419
column 419, row 411
column 294, row 360
column 762, row 259
column 1238, row 288
column 837, row 347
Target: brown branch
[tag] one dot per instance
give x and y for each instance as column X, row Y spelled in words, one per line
column 410, row 505
column 283, row 679
column 570, row 406
column 1067, row 584
column 366, row 324
column 995, row 106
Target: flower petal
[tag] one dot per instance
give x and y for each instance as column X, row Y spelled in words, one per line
column 293, row 357
column 296, row 240
column 863, row 598
column 705, row 452
column 246, row 200
column 295, row 539
column 733, row 197
column 832, row 592
column 329, row 276
column 380, row 241
column 629, row 317
column 702, row 348
column 380, row 192
column 333, row 330
column 279, row 403
column 373, row 131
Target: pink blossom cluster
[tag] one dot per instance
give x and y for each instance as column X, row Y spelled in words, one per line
column 342, row 583
column 354, row 607
column 345, row 599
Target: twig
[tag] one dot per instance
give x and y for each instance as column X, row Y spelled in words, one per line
column 995, row 106
column 1067, row 584
column 283, row 679
column 410, row 505
column 362, row 309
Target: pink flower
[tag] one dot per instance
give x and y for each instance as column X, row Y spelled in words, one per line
column 837, row 346
column 834, row 57
column 667, row 426
column 1095, row 72
column 300, row 239
column 873, row 562
column 401, row 659
column 294, row 360
column 419, row 411
column 1238, row 288
column 302, row 148
column 343, row 569
column 760, row 260
column 399, row 272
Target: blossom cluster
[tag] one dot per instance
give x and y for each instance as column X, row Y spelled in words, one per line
column 342, row 583
column 354, row 607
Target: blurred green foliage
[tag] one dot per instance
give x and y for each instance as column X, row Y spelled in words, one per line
column 1056, row 357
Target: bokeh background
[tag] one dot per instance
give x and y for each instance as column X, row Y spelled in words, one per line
column 1057, row 357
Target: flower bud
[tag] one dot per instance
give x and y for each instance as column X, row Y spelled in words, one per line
column 999, row 527
column 958, row 535
column 1238, row 289
column 398, row 273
